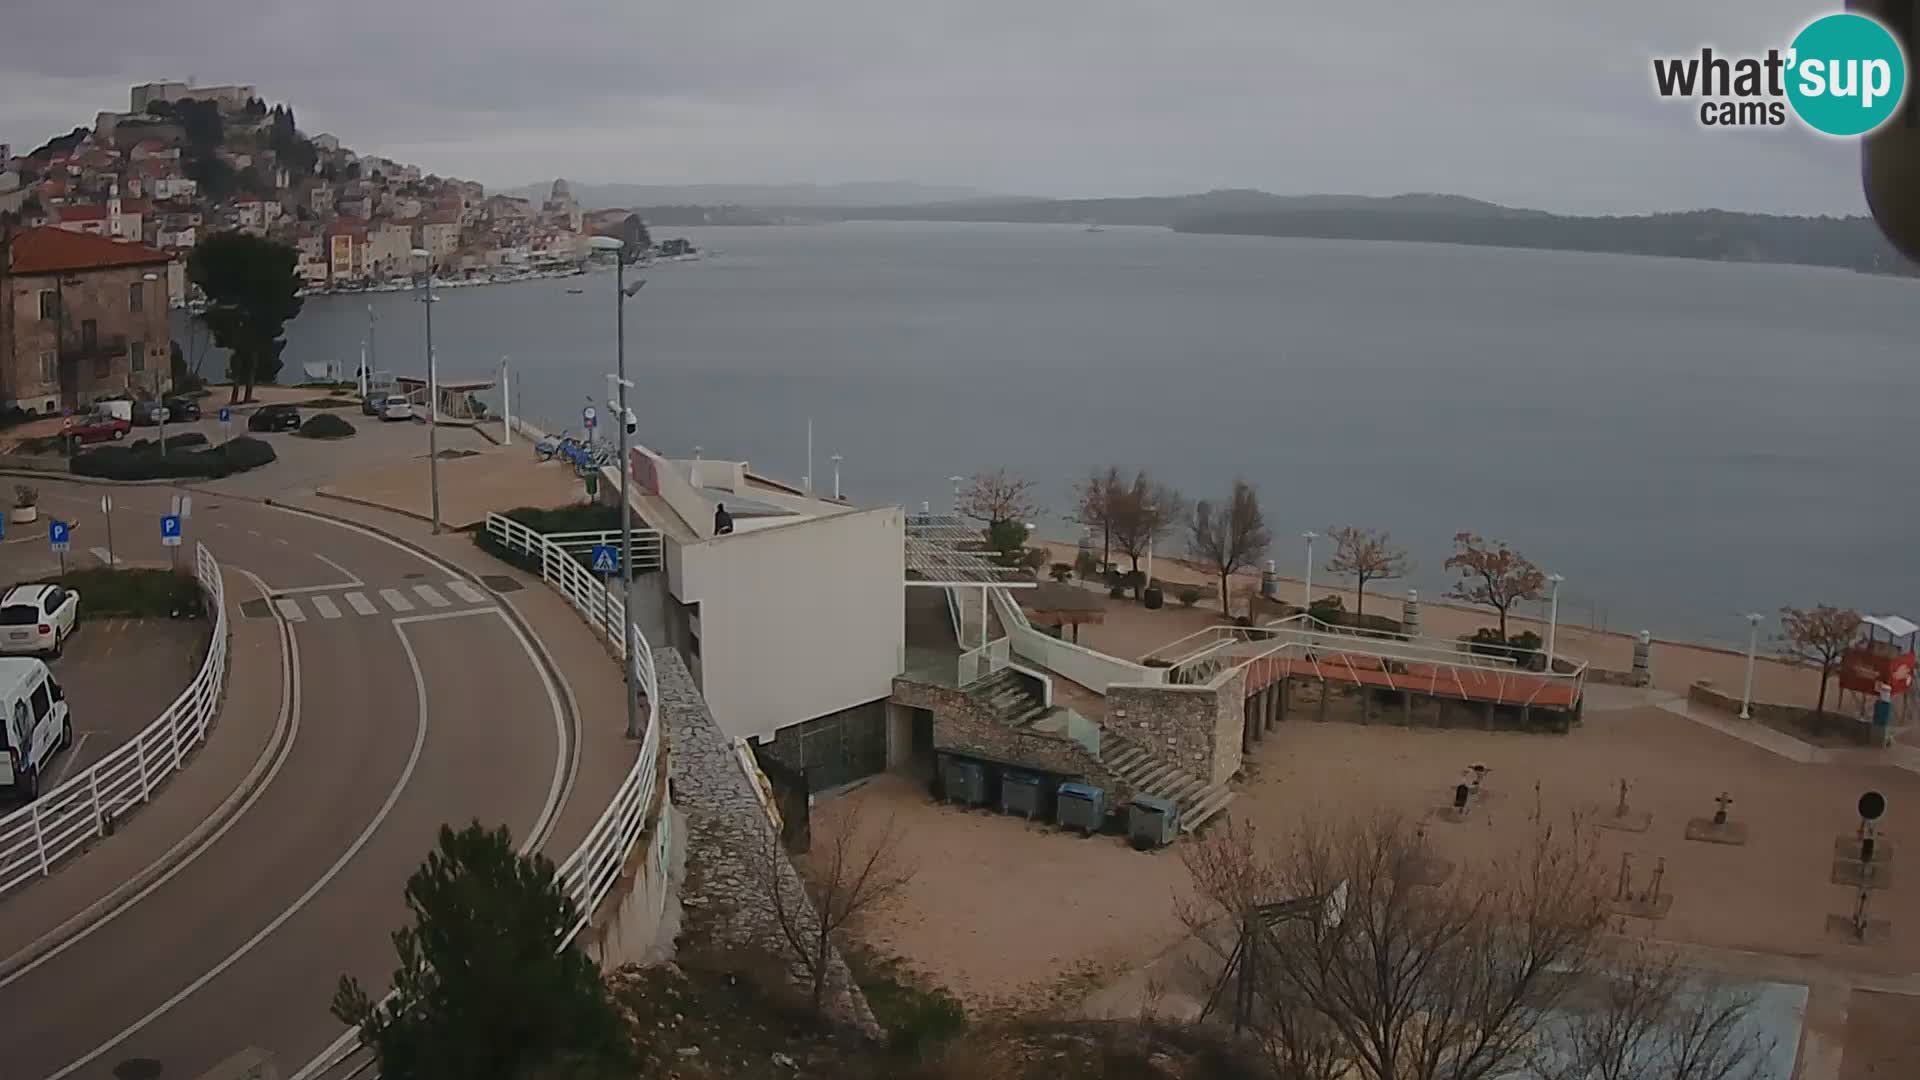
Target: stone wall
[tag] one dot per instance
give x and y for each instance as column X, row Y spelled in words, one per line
column 728, row 841
column 1704, row 693
column 965, row 726
column 1196, row 728
column 1604, row 677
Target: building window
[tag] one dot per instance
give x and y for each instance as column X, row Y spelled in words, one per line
column 102, row 366
column 137, row 296
column 137, row 356
column 49, row 368
column 49, row 304
column 89, row 334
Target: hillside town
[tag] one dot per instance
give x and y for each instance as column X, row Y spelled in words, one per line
column 184, row 161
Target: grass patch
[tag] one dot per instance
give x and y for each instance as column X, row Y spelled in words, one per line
column 918, row 1018
column 134, row 594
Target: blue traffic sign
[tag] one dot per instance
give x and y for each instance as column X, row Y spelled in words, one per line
column 226, row 414
column 59, row 534
column 605, row 559
column 170, row 530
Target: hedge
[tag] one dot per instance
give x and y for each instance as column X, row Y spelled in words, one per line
column 182, row 441
column 147, row 463
column 326, row 426
column 134, row 594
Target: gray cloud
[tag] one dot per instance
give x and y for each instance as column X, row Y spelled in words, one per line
column 1546, row 105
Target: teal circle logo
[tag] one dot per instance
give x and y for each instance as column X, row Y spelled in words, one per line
column 1846, row 76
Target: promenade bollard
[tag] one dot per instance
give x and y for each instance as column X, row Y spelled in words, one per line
column 1642, row 644
column 1410, row 613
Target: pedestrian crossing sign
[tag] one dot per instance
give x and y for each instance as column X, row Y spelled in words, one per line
column 605, row 560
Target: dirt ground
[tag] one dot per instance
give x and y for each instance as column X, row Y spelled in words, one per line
column 1882, row 1038
column 1005, row 912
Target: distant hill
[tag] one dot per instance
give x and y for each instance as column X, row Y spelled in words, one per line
column 863, row 193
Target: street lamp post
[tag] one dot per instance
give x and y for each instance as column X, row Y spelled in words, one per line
column 957, row 481
column 1753, row 642
column 1306, row 590
column 625, row 254
column 433, row 388
column 836, row 459
column 1553, row 615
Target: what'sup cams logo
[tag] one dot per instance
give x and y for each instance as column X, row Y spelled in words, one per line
column 1843, row 75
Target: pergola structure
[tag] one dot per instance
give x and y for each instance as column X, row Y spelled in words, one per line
column 1055, row 604
column 946, row 552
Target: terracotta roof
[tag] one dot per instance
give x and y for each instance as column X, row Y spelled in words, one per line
column 50, row 250
column 83, row 213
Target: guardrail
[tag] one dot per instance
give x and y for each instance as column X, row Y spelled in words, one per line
column 591, row 871
column 85, row 806
column 647, row 550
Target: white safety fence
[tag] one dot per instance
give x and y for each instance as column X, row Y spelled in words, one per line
column 86, row 805
column 593, row 868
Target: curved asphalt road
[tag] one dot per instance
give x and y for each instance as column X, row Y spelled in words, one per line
column 411, row 706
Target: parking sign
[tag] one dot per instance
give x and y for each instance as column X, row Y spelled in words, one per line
column 226, row 414
column 170, row 530
column 58, row 535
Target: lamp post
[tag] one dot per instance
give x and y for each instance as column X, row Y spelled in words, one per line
column 836, row 459
column 433, row 388
column 957, row 481
column 159, row 380
column 1306, row 590
column 625, row 254
column 1553, row 615
column 1753, row 642
column 506, row 402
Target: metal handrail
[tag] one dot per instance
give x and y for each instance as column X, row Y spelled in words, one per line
column 85, row 806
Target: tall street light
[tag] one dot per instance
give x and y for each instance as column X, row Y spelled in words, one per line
column 957, row 481
column 1553, row 615
column 433, row 386
column 1753, row 642
column 626, row 252
column 1306, row 590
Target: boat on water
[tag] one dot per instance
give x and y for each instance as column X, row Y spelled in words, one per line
column 1094, row 227
column 575, row 292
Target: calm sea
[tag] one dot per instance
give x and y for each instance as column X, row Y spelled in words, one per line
column 1683, row 440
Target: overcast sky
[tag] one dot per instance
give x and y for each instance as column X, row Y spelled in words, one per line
column 1539, row 103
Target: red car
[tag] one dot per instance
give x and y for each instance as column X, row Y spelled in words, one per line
column 98, row 428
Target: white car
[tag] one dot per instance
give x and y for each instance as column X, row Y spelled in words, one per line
column 37, row 618
column 396, row 408
column 34, row 724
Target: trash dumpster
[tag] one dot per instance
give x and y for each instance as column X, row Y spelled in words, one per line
column 1152, row 822
column 966, row 782
column 1022, row 793
column 1081, row 806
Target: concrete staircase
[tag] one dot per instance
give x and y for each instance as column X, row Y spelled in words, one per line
column 1198, row 800
column 1013, row 702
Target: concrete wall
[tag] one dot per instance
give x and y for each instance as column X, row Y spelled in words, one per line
column 798, row 620
column 1197, row 728
column 963, row 725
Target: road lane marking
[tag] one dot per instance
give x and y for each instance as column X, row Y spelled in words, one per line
column 432, row 596
column 324, row 605
column 106, row 558
column 466, row 592
column 289, row 722
column 366, row 834
column 59, row 772
column 290, row 609
column 352, row 578
column 360, row 604
column 396, row 601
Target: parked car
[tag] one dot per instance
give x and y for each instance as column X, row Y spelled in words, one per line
column 146, row 412
column 100, row 427
column 181, row 409
column 35, row 723
column 37, row 619
column 396, row 408
column 274, row 418
column 372, row 404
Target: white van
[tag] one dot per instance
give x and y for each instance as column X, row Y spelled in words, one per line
column 34, row 724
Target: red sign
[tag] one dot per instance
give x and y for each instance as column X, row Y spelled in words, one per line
column 1865, row 668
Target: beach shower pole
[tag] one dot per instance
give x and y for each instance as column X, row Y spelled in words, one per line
column 1753, row 642
column 1553, row 616
column 957, row 481
column 1306, row 590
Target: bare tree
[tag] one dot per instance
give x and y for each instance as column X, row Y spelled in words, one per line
column 1645, row 1017
column 1230, row 538
column 1493, row 575
column 1365, row 555
column 1819, row 635
column 1387, row 976
column 1143, row 512
column 998, row 497
column 861, row 872
column 1093, row 506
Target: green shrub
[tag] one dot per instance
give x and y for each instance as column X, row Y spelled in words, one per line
column 326, row 425
column 134, row 594
column 1189, row 596
column 147, row 463
column 1061, row 571
column 916, row 1018
column 1328, row 609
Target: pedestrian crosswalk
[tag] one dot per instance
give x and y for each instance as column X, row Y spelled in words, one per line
column 389, row 601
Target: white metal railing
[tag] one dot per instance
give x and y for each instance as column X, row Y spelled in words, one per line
column 647, row 550
column 87, row 804
column 982, row 661
column 1093, row 670
column 591, row 871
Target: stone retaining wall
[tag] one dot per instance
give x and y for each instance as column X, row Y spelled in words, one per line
column 1195, row 727
column 728, row 839
column 1704, row 693
column 963, row 725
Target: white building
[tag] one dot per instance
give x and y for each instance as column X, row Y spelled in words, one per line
column 797, row 616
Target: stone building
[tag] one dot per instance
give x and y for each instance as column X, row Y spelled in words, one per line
column 82, row 317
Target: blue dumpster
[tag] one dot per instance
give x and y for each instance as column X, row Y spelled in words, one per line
column 1081, row 806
